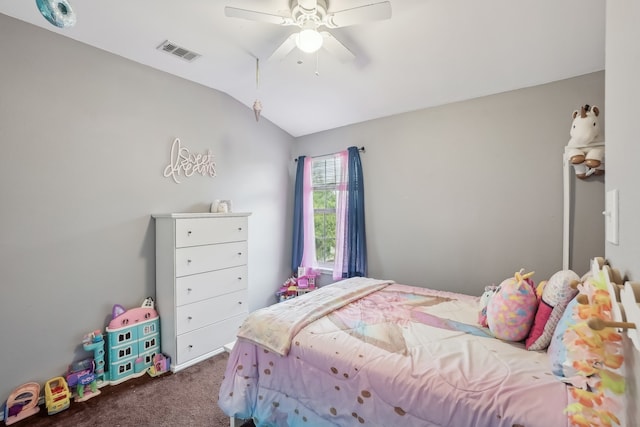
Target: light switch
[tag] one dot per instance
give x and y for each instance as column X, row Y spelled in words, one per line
column 611, row 217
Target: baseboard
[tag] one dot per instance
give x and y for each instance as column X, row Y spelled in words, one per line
column 177, row 368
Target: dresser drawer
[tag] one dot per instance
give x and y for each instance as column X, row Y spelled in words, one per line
column 198, row 287
column 212, row 310
column 207, row 339
column 203, row 231
column 199, row 259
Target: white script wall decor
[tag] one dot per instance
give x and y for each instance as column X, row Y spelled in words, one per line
column 183, row 161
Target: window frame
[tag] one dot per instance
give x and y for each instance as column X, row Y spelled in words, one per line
column 325, row 186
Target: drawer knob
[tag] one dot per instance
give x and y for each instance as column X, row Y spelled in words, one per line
column 239, row 228
column 189, row 233
column 188, row 261
column 239, row 253
column 189, row 346
column 240, row 302
column 239, row 278
column 189, row 289
column 189, row 318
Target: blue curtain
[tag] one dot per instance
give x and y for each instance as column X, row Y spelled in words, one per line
column 356, row 253
column 298, row 226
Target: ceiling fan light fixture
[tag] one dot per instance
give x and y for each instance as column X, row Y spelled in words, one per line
column 309, row 40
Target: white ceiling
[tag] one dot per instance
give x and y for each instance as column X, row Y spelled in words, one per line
column 431, row 52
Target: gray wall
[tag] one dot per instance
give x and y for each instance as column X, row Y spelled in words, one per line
column 623, row 152
column 623, row 147
column 461, row 196
column 85, row 136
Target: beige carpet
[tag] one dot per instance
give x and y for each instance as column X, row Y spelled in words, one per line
column 187, row 398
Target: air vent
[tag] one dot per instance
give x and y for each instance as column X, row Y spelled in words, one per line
column 178, row 51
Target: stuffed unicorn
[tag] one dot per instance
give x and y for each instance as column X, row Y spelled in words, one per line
column 586, row 158
column 489, row 291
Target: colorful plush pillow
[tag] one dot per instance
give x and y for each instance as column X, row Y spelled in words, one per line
column 511, row 310
column 561, row 366
column 555, row 296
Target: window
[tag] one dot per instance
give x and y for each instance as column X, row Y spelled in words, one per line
column 124, row 352
column 125, row 368
column 328, row 215
column 126, row 336
column 325, row 181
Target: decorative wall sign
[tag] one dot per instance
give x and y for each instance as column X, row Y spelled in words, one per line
column 182, row 161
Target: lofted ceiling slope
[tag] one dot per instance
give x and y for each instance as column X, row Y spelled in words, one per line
column 431, row 52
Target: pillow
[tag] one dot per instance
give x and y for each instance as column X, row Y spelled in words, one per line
column 511, row 310
column 557, row 351
column 555, row 296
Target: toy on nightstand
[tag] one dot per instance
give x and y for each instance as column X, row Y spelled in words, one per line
column 288, row 290
column 56, row 395
column 297, row 286
column 306, row 283
column 306, row 280
column 22, row 403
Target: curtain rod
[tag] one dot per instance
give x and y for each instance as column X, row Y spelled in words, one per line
column 361, row 149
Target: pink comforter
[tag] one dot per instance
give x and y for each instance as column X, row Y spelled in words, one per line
column 401, row 356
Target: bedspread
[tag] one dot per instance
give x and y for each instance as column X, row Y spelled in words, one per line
column 400, row 356
column 274, row 327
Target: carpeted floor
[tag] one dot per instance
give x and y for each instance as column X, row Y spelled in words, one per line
column 187, row 398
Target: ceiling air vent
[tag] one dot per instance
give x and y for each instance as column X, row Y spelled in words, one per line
column 178, row 51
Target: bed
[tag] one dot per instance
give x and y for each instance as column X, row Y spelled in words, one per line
column 372, row 352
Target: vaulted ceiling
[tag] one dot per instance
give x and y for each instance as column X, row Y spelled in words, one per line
column 429, row 53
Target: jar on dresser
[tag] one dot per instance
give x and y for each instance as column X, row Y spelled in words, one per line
column 201, row 283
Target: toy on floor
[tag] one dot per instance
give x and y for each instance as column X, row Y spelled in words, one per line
column 161, row 365
column 80, row 375
column 133, row 339
column 22, row 403
column 94, row 342
column 56, row 395
column 85, row 375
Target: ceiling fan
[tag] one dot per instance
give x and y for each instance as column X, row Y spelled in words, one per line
column 311, row 16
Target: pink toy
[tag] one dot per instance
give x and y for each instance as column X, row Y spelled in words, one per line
column 510, row 312
column 161, row 364
column 22, row 403
column 122, row 317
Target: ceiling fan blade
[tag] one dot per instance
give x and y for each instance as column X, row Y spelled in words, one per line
column 252, row 15
column 284, row 49
column 359, row 15
column 336, row 48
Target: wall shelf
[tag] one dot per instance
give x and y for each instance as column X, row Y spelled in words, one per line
column 629, row 297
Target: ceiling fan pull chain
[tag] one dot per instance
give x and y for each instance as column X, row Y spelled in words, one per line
column 257, row 105
column 257, row 74
column 317, row 61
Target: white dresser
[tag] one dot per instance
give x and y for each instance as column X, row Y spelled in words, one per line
column 201, row 283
